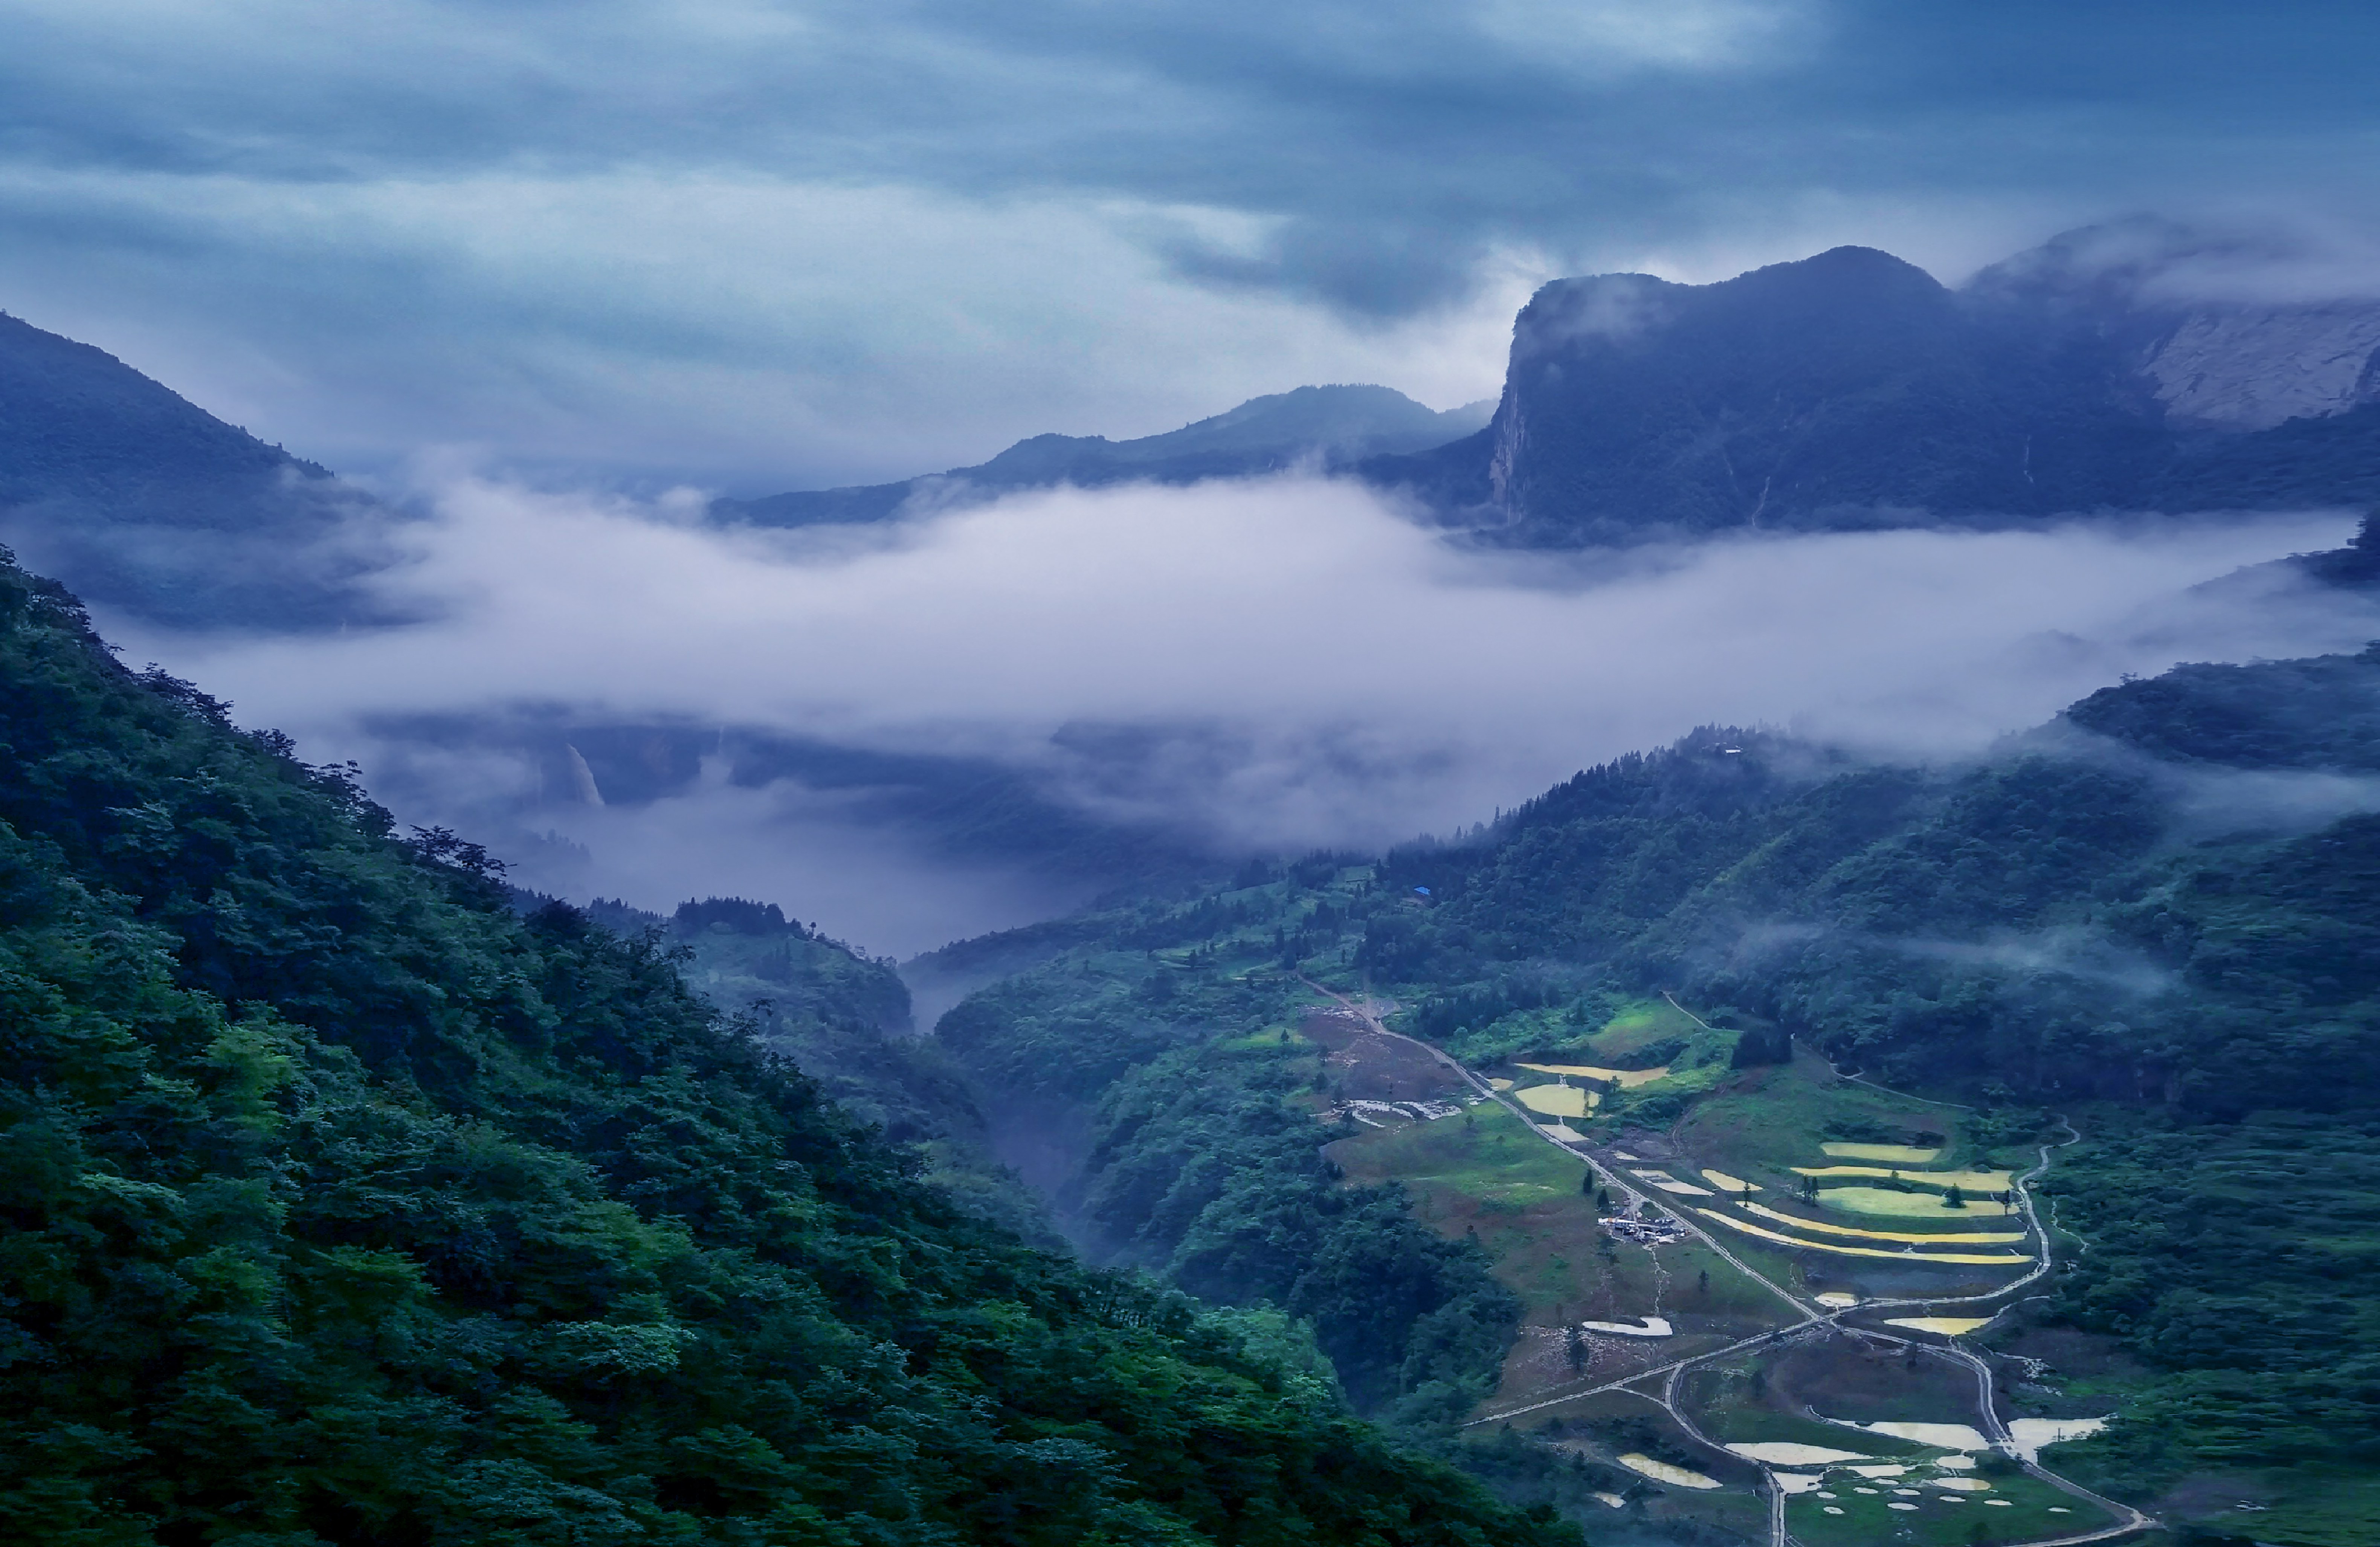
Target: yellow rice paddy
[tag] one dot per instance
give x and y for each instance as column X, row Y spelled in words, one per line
column 1721, row 1180
column 1969, row 1181
column 1556, row 1101
column 1976, row 1257
column 1624, row 1078
column 1900, row 1153
column 1994, row 1237
column 1668, row 1183
column 1948, row 1326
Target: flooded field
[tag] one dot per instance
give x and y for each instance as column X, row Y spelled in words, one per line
column 1662, row 1471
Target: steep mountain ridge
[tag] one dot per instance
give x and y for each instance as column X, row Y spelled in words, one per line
column 1850, row 390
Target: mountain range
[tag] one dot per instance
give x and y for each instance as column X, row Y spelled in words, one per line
column 1325, row 428
column 1611, row 1170
column 2116, row 368
column 2124, row 368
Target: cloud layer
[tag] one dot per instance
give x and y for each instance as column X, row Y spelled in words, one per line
column 1278, row 664
column 766, row 243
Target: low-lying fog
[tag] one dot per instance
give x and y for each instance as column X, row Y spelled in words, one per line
column 1275, row 664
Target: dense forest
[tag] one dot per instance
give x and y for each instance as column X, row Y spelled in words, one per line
column 2153, row 919
column 345, row 1204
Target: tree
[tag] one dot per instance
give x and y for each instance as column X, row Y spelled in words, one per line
column 1953, row 1197
column 1702, row 1281
column 1574, row 1348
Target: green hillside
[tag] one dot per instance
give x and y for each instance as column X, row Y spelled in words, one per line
column 2104, row 924
column 344, row 1205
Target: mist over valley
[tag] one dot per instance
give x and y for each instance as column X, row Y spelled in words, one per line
column 1593, row 777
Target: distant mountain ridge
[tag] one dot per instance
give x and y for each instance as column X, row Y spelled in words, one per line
column 1852, row 390
column 1329, row 426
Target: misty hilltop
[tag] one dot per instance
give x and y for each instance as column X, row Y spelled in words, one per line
column 1327, row 427
column 2123, row 367
column 141, row 500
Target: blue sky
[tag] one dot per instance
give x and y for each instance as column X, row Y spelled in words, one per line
column 761, row 245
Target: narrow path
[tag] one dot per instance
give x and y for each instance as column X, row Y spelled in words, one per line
column 2127, row 1519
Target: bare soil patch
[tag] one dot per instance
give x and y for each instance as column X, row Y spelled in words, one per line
column 1364, row 1066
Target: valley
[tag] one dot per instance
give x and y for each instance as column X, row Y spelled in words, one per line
column 1754, row 1140
column 1628, row 1298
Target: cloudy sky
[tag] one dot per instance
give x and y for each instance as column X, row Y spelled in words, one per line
column 756, row 244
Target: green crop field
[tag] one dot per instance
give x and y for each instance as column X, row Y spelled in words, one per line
column 2017, row 1508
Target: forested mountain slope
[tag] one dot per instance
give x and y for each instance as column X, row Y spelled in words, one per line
column 344, row 1205
column 2154, row 919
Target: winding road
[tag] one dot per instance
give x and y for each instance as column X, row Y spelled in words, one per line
column 1814, row 1319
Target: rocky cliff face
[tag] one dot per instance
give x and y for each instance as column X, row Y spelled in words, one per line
column 1850, row 389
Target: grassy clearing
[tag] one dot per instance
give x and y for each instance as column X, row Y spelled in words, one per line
column 1484, row 1175
column 1948, row 1326
column 1735, row 1423
column 1966, row 1181
column 1848, row 1511
column 1486, row 1156
column 1760, row 1123
column 1668, row 1183
column 1919, row 1237
column 1640, row 1025
column 1908, row 1205
column 1897, row 1154
column 2306, row 1507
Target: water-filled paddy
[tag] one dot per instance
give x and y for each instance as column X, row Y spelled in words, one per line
column 1661, row 1471
column 1556, row 1101
column 1943, row 1436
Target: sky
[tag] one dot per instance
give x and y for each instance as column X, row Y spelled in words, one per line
column 749, row 245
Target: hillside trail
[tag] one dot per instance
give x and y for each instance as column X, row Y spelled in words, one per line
column 1812, row 1318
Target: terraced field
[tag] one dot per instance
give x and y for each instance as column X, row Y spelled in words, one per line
column 1707, row 1284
